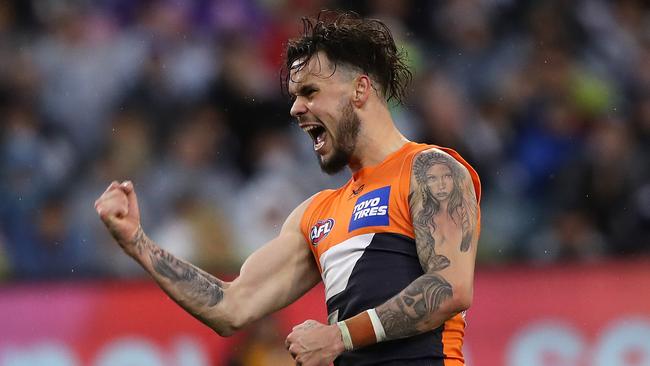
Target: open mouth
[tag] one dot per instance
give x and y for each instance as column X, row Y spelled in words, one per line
column 317, row 133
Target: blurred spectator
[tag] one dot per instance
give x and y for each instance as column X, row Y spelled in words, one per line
column 126, row 155
column 186, row 54
column 268, row 197
column 444, row 113
column 196, row 159
column 34, row 165
column 191, row 191
column 248, row 90
column 83, row 61
column 571, row 236
column 49, row 252
column 606, row 182
column 195, row 231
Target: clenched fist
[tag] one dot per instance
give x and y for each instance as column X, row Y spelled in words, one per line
column 118, row 209
column 314, row 344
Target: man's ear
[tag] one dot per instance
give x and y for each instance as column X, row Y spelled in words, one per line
column 362, row 90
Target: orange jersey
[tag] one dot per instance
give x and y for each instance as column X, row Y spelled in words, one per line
column 363, row 241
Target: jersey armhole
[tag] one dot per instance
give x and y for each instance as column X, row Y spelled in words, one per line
column 309, row 211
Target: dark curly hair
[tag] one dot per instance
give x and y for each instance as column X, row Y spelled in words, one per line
column 348, row 39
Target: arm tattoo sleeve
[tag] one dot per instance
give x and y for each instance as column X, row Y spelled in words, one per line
column 444, row 212
column 405, row 314
column 187, row 282
column 204, row 289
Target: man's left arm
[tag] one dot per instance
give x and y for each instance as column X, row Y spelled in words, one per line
column 446, row 234
column 444, row 210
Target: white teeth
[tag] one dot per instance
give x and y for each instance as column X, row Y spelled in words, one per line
column 319, row 145
column 319, row 141
column 309, row 128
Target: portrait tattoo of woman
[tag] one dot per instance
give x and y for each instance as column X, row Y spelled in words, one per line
column 447, row 205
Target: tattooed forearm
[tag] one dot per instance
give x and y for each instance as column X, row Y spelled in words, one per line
column 188, row 284
column 202, row 288
column 409, row 312
column 139, row 240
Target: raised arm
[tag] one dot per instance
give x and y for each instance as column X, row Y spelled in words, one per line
column 271, row 278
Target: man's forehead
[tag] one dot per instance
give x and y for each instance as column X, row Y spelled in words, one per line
column 318, row 67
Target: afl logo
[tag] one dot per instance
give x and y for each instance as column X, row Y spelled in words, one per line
column 320, row 230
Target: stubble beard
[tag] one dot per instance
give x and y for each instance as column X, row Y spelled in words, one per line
column 344, row 142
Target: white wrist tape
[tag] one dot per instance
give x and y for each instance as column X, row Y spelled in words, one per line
column 345, row 334
column 380, row 333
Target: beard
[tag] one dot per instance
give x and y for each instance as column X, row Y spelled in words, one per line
column 344, row 142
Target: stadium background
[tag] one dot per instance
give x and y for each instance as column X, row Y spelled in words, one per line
column 549, row 100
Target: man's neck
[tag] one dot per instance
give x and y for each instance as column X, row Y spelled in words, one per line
column 377, row 140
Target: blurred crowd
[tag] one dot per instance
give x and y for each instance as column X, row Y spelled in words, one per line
column 549, row 100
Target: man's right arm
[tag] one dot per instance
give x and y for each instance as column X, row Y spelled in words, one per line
column 271, row 278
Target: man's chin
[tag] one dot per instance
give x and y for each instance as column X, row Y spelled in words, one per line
column 333, row 164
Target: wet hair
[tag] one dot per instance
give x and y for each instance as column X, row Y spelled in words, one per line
column 350, row 40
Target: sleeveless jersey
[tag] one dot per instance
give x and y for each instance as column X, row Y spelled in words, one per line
column 362, row 238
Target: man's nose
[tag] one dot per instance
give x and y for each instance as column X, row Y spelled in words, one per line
column 298, row 107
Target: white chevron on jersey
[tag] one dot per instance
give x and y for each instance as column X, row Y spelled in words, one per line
column 339, row 261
